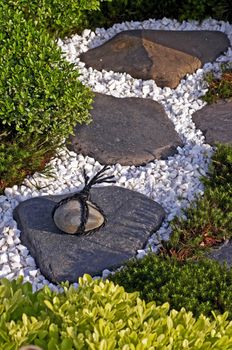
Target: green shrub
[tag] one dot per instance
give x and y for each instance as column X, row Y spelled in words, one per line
column 219, row 88
column 208, row 221
column 201, row 9
column 118, row 11
column 199, row 287
column 126, row 10
column 195, row 9
column 101, row 315
column 60, row 18
column 41, row 98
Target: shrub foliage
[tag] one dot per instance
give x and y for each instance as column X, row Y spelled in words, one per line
column 58, row 17
column 126, row 10
column 41, row 98
column 101, row 315
column 200, row 287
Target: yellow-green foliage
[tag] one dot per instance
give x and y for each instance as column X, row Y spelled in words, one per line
column 101, row 315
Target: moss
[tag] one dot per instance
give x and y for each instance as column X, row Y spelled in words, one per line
column 208, row 220
column 219, row 87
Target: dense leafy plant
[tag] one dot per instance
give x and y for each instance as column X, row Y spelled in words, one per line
column 60, row 18
column 126, row 10
column 208, row 221
column 199, row 287
column 41, row 98
column 101, row 315
column 195, row 9
column 219, row 87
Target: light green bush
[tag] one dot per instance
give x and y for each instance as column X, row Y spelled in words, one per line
column 101, row 315
column 60, row 18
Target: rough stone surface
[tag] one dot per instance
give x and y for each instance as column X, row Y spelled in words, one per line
column 165, row 56
column 131, row 218
column 223, row 253
column 215, row 122
column 129, row 131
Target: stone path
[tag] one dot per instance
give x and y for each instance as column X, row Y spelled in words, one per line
column 165, row 56
column 215, row 121
column 129, row 131
column 131, row 219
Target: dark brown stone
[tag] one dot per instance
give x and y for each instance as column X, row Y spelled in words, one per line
column 165, row 56
column 131, row 219
column 129, row 131
column 215, row 122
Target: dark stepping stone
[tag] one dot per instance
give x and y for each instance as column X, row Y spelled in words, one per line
column 131, row 219
column 223, row 254
column 129, row 131
column 165, row 56
column 215, row 122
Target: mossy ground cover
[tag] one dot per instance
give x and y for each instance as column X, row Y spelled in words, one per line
column 208, row 220
column 219, row 87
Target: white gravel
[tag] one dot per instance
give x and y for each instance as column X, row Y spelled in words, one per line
column 173, row 183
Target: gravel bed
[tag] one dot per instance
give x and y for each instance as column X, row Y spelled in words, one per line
column 173, row 183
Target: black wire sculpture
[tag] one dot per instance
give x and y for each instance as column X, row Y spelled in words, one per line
column 83, row 201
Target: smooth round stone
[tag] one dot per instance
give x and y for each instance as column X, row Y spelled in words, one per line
column 30, row 347
column 67, row 217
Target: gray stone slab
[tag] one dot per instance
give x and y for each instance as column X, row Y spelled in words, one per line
column 223, row 254
column 129, row 131
column 162, row 55
column 215, row 122
column 131, row 219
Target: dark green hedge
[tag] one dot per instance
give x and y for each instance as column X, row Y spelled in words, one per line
column 118, row 11
column 198, row 286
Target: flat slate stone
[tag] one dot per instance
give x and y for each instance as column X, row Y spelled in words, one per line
column 129, row 131
column 223, row 254
column 215, row 122
column 131, row 219
column 162, row 55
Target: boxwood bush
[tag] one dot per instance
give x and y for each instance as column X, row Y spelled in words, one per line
column 198, row 286
column 101, row 315
column 41, row 98
column 60, row 18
